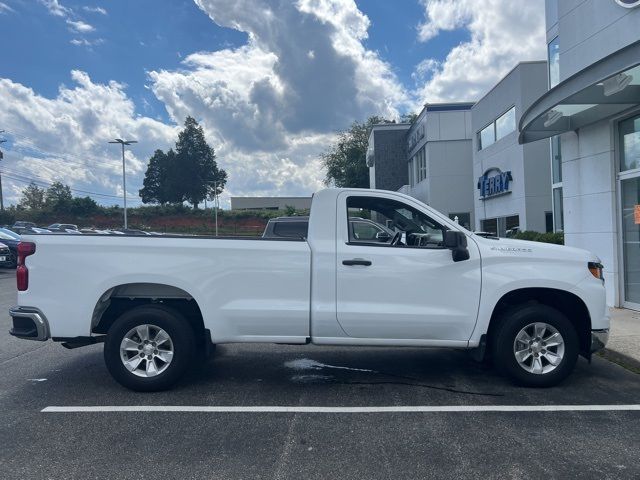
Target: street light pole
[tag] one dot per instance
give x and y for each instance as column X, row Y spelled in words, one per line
column 124, row 176
column 1, row 198
column 215, row 203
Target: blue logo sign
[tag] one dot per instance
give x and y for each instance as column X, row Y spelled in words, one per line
column 496, row 184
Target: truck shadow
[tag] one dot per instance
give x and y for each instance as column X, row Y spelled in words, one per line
column 314, row 375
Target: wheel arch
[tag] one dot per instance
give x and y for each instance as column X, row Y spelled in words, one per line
column 121, row 298
column 567, row 303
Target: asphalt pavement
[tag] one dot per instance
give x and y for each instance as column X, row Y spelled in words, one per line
column 308, row 445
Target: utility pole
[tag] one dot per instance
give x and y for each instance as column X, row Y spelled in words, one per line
column 1, row 157
column 215, row 203
column 124, row 176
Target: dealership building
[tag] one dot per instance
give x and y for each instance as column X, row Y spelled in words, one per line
column 554, row 145
column 591, row 117
column 513, row 191
column 430, row 159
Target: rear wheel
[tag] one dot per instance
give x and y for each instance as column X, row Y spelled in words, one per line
column 536, row 345
column 149, row 348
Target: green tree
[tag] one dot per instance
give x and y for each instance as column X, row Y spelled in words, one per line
column 32, row 197
column 160, row 185
column 58, row 197
column 198, row 172
column 345, row 160
column 188, row 174
column 408, row 117
column 84, row 206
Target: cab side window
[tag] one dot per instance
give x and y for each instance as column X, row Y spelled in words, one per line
column 376, row 221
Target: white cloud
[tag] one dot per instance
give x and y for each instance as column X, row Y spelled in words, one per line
column 502, row 33
column 65, row 138
column 4, row 8
column 55, row 8
column 269, row 107
column 83, row 42
column 273, row 105
column 75, row 24
column 80, row 26
column 98, row 10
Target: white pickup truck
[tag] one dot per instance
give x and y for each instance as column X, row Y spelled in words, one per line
column 160, row 302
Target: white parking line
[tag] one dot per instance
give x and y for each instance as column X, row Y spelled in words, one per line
column 311, row 409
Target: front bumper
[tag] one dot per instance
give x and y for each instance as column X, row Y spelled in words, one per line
column 29, row 324
column 599, row 339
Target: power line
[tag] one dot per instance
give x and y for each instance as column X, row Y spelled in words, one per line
column 42, row 183
column 61, row 157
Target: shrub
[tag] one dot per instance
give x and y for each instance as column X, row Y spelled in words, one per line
column 551, row 237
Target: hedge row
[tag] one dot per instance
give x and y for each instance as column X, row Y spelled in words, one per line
column 552, row 237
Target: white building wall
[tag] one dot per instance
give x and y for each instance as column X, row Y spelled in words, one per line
column 589, row 30
column 590, row 204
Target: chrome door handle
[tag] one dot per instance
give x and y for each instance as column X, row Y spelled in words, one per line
column 357, row 261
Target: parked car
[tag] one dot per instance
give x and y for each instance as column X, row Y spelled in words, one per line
column 6, row 257
column 362, row 229
column 11, row 239
column 62, row 227
column 36, row 230
column 157, row 301
column 134, row 231
column 20, row 226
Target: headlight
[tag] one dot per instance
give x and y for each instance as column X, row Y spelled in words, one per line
column 596, row 270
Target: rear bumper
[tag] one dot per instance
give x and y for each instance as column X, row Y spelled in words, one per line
column 599, row 339
column 29, row 324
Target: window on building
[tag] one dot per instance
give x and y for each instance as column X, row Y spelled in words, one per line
column 556, row 159
column 464, row 219
column 489, row 225
column 501, row 226
column 506, row 123
column 558, row 213
column 629, row 144
column 487, row 136
column 411, row 177
column 548, row 221
column 416, row 229
column 422, row 166
column 553, row 51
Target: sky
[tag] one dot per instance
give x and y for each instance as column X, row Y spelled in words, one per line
column 270, row 81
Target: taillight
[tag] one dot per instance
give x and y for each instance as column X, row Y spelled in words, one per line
column 22, row 273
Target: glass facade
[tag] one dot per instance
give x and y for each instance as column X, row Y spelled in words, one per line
column 506, row 124
column 556, row 159
column 558, row 211
column 486, row 136
column 501, row 226
column 631, row 238
column 501, row 127
column 630, row 144
column 553, row 52
column 629, row 147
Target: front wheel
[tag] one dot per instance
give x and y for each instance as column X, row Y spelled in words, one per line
column 149, row 348
column 536, row 345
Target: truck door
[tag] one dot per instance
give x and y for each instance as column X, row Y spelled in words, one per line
column 407, row 288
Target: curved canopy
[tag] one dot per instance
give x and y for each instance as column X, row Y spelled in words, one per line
column 604, row 89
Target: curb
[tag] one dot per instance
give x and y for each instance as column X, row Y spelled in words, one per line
column 630, row 363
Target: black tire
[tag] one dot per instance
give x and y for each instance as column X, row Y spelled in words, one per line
column 511, row 323
column 182, row 338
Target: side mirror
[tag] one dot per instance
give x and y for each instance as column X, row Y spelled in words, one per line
column 383, row 237
column 456, row 242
